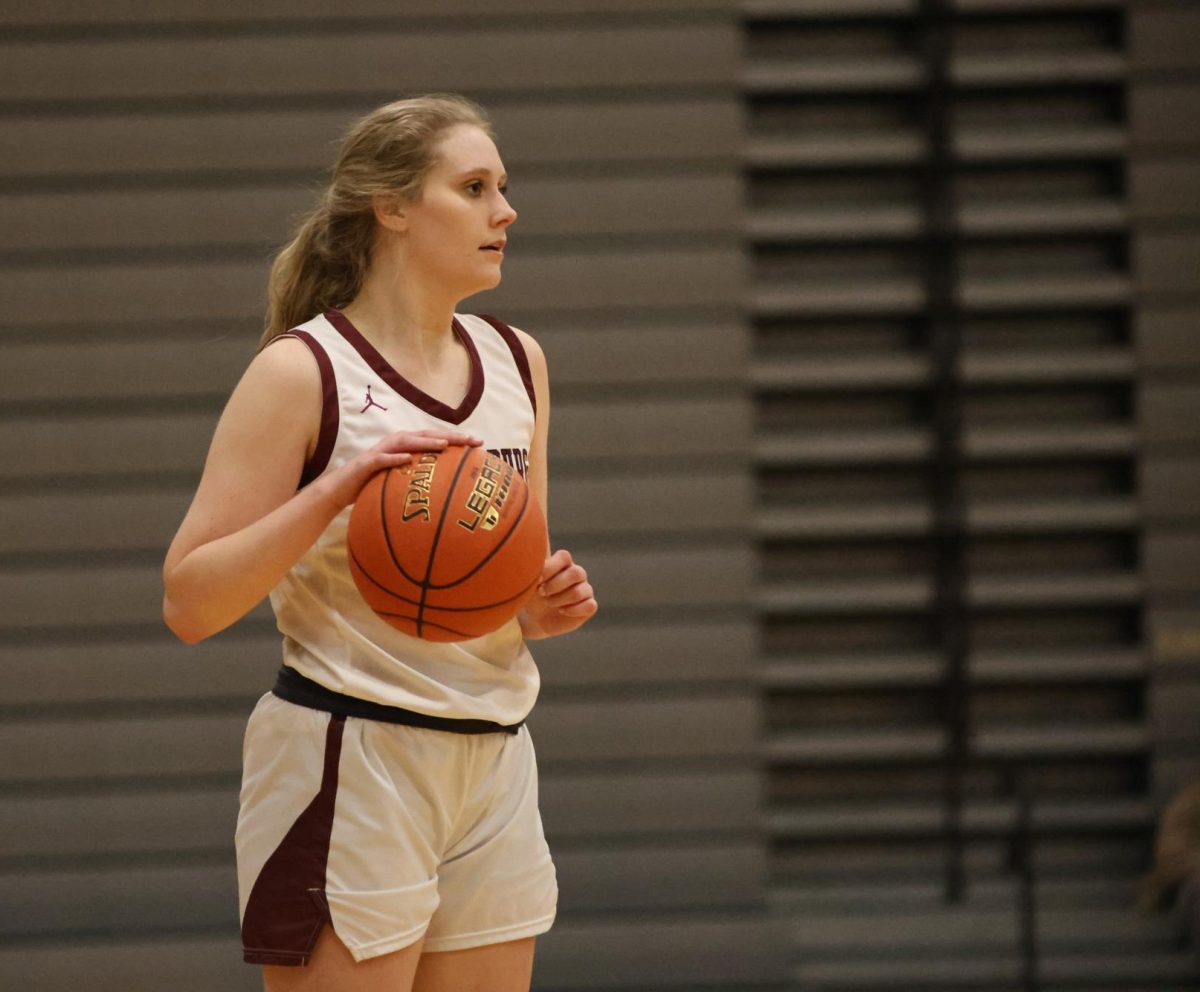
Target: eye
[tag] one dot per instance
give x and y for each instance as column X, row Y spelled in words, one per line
column 475, row 187
column 504, row 190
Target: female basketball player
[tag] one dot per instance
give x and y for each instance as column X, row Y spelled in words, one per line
column 389, row 836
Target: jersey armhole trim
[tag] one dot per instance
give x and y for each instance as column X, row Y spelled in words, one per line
column 519, row 355
column 329, row 409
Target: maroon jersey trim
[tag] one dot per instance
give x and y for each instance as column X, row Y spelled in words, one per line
column 518, row 353
column 417, row 397
column 329, row 409
column 287, row 905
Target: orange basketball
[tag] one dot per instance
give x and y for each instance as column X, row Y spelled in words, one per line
column 448, row 546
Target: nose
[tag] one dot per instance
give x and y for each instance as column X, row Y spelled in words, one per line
column 506, row 214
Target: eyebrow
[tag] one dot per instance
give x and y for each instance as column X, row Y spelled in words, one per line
column 482, row 170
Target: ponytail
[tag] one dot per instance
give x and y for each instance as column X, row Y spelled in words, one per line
column 322, row 267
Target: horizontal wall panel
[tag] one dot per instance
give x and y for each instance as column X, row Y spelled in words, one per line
column 146, row 519
column 229, row 666
column 101, row 901
column 1170, row 485
column 609, row 653
column 340, row 61
column 177, row 442
column 1172, row 560
column 623, row 279
column 663, row 503
column 167, row 369
column 890, row 296
column 113, row 595
column 1163, row 37
column 1165, row 114
column 251, row 216
column 249, row 141
column 625, row 803
column 645, row 952
column 705, row 349
column 208, row 363
column 72, row 13
column 102, row 445
column 160, row 820
column 166, row 820
column 1168, row 412
column 721, row 726
column 683, row 876
column 97, row 749
column 61, row 521
column 574, row 955
column 181, row 963
column 1165, row 190
column 1168, row 337
column 235, row 665
column 659, row 428
column 1168, row 262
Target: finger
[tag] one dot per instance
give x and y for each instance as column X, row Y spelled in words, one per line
column 571, row 596
column 411, row 441
column 554, row 564
column 584, row 609
column 394, row 458
column 452, row 437
column 573, row 575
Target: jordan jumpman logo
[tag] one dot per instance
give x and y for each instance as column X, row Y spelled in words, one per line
column 371, row 402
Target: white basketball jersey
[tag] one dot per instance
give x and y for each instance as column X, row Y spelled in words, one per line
column 330, row 633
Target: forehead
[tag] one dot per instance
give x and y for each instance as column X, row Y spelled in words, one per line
column 465, row 147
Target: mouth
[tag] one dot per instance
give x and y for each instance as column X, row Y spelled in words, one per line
column 496, row 246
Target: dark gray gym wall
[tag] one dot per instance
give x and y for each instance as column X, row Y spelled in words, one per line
column 153, row 157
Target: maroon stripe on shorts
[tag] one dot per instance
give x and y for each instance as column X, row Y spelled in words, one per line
column 287, row 906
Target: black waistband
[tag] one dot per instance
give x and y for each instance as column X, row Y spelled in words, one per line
column 295, row 688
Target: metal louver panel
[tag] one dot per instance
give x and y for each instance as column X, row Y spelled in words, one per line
column 851, row 597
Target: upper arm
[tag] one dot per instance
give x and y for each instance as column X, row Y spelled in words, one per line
column 259, row 448
column 538, row 476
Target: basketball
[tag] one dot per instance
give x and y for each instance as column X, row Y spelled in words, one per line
column 448, row 546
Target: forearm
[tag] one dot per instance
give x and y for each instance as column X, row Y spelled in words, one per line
column 219, row 582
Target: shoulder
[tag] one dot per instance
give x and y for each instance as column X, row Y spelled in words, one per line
column 286, row 368
column 522, row 343
column 537, row 357
column 287, row 355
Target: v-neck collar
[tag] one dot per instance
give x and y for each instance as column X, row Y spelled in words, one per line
column 416, row 396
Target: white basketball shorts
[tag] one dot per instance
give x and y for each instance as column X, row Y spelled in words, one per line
column 389, row 833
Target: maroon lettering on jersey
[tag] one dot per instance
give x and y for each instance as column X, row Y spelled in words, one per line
column 518, row 458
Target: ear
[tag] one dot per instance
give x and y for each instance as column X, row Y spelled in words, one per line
column 390, row 213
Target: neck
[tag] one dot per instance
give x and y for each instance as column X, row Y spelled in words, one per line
column 395, row 306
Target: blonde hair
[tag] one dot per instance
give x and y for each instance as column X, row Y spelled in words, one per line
column 388, row 152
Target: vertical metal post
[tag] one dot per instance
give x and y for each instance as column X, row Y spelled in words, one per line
column 1026, row 871
column 942, row 279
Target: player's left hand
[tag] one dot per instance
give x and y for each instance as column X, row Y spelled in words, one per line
column 564, row 599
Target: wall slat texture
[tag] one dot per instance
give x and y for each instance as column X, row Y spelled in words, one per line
column 895, row 147
column 153, row 157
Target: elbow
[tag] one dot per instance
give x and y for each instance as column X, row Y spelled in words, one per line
column 180, row 624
